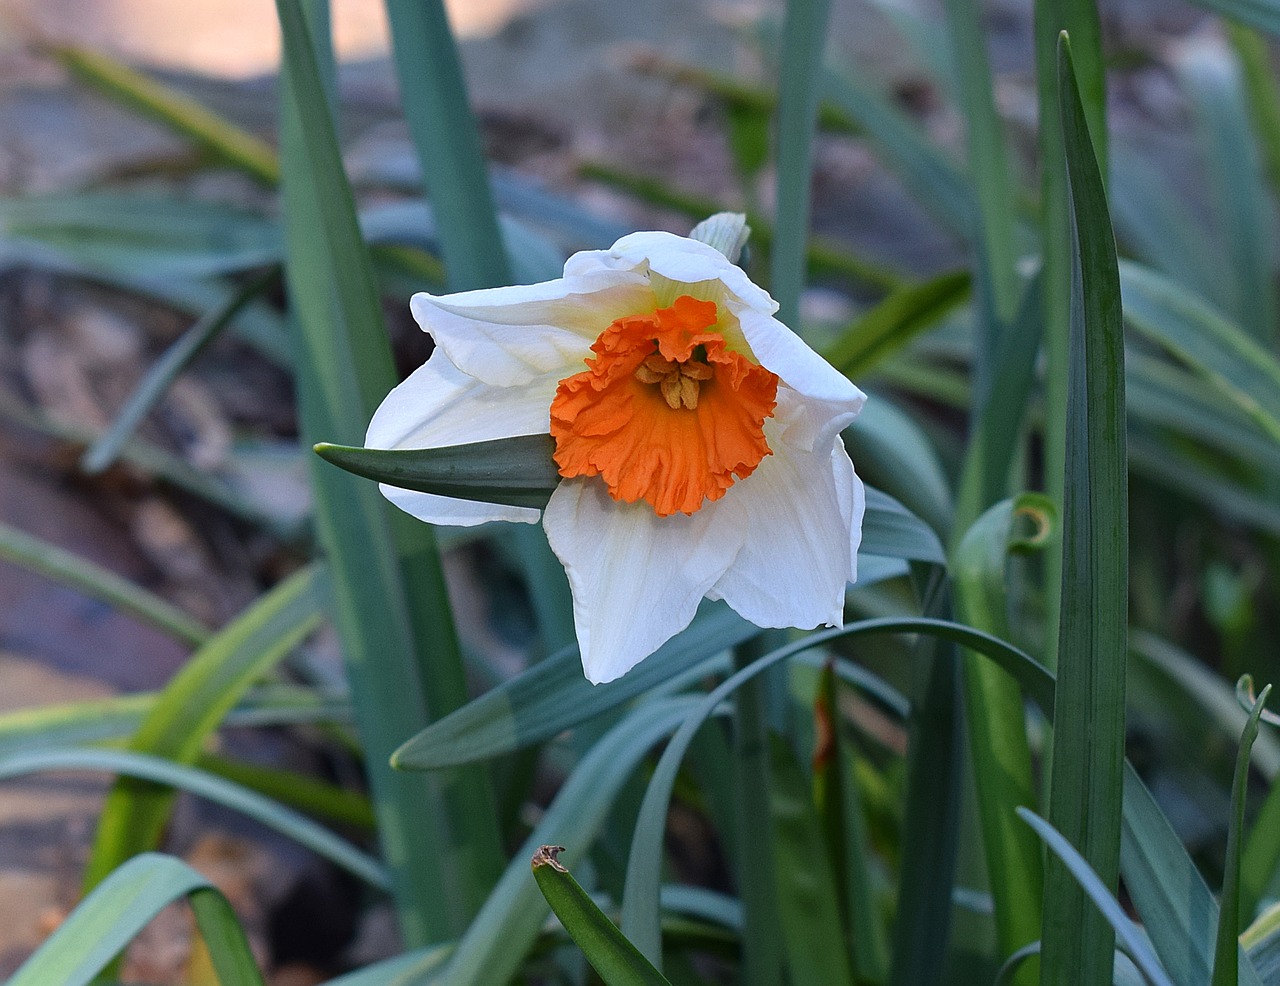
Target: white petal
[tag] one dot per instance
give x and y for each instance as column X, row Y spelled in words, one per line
column 636, row 578
column 440, row 405
column 799, row 508
column 830, row 402
column 679, row 258
column 853, row 501
column 508, row 336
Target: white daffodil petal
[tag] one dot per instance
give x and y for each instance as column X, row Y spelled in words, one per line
column 852, row 497
column 508, row 336
column 830, row 401
column 456, row 513
column 679, row 258
column 440, row 405
column 636, row 578
column 793, row 568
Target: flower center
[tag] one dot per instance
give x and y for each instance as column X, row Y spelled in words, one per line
column 664, row 412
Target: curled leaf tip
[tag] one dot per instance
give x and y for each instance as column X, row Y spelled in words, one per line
column 547, row 856
column 1249, row 700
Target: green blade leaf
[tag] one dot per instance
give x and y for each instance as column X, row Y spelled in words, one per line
column 808, row 907
column 553, row 696
column 109, row 918
column 640, row 900
column 1221, row 351
column 1130, row 936
column 1001, row 754
column 434, row 97
column 1226, row 957
column 804, row 32
column 897, row 319
column 492, row 948
column 390, row 605
column 194, row 703
column 1085, row 791
column 184, row 116
column 97, row 582
column 618, row 962
column 157, row 380
column 156, row 770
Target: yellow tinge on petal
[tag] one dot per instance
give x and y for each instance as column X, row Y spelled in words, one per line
column 665, row 411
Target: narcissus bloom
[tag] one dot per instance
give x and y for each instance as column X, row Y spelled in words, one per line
column 697, row 435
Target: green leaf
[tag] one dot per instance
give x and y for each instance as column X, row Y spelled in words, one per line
column 1001, row 755
column 156, row 770
column 97, row 720
column 1261, row 94
column 892, row 451
column 1204, row 340
column 993, row 231
column 1226, row 957
column 391, row 609
column 227, row 142
column 434, row 97
column 553, row 696
column 808, row 908
column 1261, row 942
column 157, row 380
column 109, row 918
column 1085, row 789
column 640, row 900
column 897, row 319
column 839, row 803
column 194, row 703
column 1130, row 936
column 165, row 237
column 1177, row 910
column 493, row 946
column 96, row 582
column 618, row 962
column 1240, row 200
column 804, row 33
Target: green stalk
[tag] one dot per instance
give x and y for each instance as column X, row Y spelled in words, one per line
column 438, row 832
column 803, row 33
column 1088, row 742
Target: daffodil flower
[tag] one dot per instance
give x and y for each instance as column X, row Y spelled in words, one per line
column 697, row 437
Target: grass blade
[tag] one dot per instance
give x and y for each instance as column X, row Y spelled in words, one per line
column 132, row 89
column 391, row 609
column 1085, row 790
column 157, row 380
column 434, row 98
column 618, row 962
column 839, row 803
column 1226, row 956
column 1131, row 937
column 1177, row 909
column 1211, row 77
column 640, row 900
column 993, row 232
column 1001, row 755
column 109, row 918
column 895, row 321
column 808, row 908
column 1218, row 349
column 804, row 33
column 491, row 949
column 193, row 704
column 159, row 771
column 97, row 582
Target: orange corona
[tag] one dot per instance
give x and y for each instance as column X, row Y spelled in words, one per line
column 665, row 412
